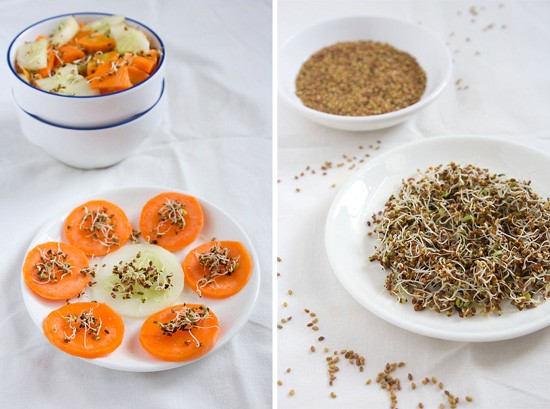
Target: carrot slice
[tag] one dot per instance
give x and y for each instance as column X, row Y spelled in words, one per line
column 137, row 75
column 180, row 341
column 79, row 35
column 95, row 42
column 119, row 79
column 171, row 220
column 99, row 329
column 146, row 62
column 97, row 227
column 54, row 270
column 70, row 53
column 99, row 59
column 218, row 269
column 45, row 72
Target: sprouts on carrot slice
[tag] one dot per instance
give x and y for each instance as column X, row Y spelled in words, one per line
column 51, row 263
column 100, row 225
column 186, row 319
column 460, row 238
column 85, row 321
column 216, row 263
column 172, row 214
column 136, row 275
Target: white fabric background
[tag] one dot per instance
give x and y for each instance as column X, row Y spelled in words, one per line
column 215, row 142
column 508, row 95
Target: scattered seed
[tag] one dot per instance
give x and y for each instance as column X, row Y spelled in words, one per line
column 288, row 370
column 332, row 395
column 441, row 385
column 315, row 328
column 279, row 326
column 279, row 382
column 369, row 381
column 291, row 392
column 469, row 398
column 312, row 348
column 285, row 304
column 321, row 338
column 289, row 292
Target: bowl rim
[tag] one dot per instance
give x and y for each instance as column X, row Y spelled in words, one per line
column 421, row 103
column 96, row 128
column 12, row 69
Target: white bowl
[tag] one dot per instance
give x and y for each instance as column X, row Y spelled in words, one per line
column 89, row 148
column 90, row 111
column 429, row 51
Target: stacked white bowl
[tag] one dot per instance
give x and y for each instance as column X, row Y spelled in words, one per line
column 88, row 131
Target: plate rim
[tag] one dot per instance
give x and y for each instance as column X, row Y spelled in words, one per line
column 163, row 365
column 497, row 335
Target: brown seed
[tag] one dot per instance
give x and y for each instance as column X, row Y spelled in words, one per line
column 469, row 398
column 321, row 338
column 421, row 405
column 315, row 328
column 279, row 382
column 279, row 326
column 441, row 385
column 288, row 370
column 291, row 392
column 413, row 386
column 410, row 377
column 369, row 381
column 285, row 304
column 434, row 379
column 289, row 292
column 397, row 82
column 312, row 348
column 315, row 320
column 326, row 349
column 332, row 395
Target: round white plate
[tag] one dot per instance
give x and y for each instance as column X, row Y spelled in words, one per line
column 232, row 312
column 349, row 247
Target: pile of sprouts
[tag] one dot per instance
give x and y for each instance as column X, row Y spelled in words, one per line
column 216, row 263
column 460, row 239
column 186, row 319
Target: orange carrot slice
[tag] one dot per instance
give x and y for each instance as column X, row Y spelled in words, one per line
column 95, row 42
column 79, row 35
column 54, row 270
column 147, row 62
column 99, row 59
column 105, row 77
column 97, row 227
column 84, row 329
column 136, row 75
column 218, row 269
column 171, row 220
column 171, row 335
column 45, row 72
column 70, row 53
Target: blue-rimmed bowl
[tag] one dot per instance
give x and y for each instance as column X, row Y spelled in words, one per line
column 92, row 147
column 90, row 111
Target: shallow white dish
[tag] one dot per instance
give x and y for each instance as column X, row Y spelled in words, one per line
column 89, row 111
column 232, row 312
column 430, row 52
column 89, row 148
column 349, row 247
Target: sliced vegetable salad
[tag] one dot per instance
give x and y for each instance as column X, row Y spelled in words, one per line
column 110, row 273
column 101, row 57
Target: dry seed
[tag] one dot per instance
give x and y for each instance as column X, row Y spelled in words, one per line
column 279, row 382
column 469, row 398
column 369, row 381
column 332, row 395
column 321, row 338
column 360, row 78
column 441, row 385
column 312, row 348
column 315, row 328
column 279, row 326
column 288, row 370
column 291, row 392
column 289, row 292
column 285, row 304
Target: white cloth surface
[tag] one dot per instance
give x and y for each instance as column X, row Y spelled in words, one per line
column 214, row 142
column 508, row 95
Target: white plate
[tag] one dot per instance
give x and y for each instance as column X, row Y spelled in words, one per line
column 349, row 247
column 232, row 312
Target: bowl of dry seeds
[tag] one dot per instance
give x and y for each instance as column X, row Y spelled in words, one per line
column 362, row 73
